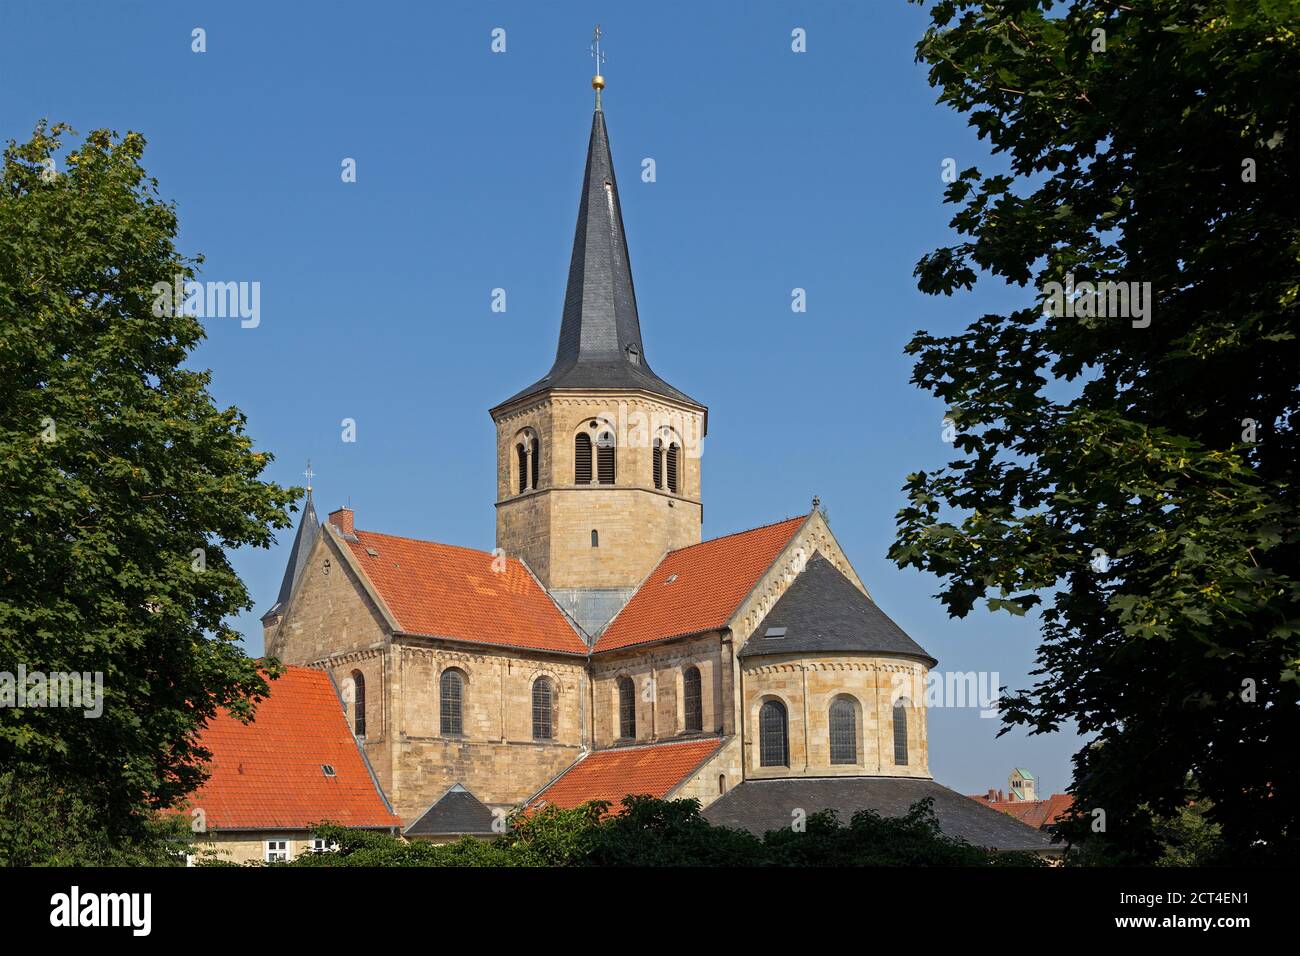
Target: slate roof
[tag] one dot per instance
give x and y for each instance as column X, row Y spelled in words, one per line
column 440, row 590
column 698, row 588
column 599, row 329
column 268, row 774
column 823, row 612
column 457, row 812
column 613, row 774
column 303, row 541
column 762, row 805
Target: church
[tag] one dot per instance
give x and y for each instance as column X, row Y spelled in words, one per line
column 603, row 648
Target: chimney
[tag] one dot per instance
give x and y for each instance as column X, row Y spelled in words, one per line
column 993, row 796
column 341, row 518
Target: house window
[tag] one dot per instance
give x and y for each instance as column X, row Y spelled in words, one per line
column 543, row 709
column 359, row 703
column 844, row 731
column 451, row 699
column 773, row 735
column 672, row 467
column 275, row 851
column 582, row 459
column 605, row 458
column 693, row 700
column 626, row 708
column 321, row 845
column 900, row 733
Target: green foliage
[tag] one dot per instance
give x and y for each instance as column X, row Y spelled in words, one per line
column 115, row 468
column 1180, row 652
column 650, row 832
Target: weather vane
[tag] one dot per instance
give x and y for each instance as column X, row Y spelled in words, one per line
column 597, row 81
column 310, row 474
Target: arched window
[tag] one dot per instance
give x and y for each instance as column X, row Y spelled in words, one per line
column 693, row 700
column 722, row 783
column 595, row 538
column 844, row 731
column 451, row 703
column 900, row 732
column 672, row 467
column 359, row 703
column 543, row 709
column 605, row 458
column 626, row 708
column 773, row 735
column 657, row 463
column 582, row 459
column 537, row 462
column 522, row 454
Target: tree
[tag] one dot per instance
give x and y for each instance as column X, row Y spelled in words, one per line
column 1136, row 470
column 646, row 831
column 122, row 490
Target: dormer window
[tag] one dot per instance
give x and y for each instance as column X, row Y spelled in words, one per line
column 634, row 355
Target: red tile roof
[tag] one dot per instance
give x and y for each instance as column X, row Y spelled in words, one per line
column 266, row 775
column 709, row 580
column 1035, row 813
column 446, row 591
column 614, row 774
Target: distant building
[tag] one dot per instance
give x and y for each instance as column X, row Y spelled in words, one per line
column 1022, row 785
column 1021, row 801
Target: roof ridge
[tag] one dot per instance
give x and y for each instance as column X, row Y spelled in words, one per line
column 736, row 534
column 441, row 544
column 650, row 746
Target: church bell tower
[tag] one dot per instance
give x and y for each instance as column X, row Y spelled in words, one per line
column 598, row 462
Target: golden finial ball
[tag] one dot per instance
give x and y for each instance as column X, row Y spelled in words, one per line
column 597, row 82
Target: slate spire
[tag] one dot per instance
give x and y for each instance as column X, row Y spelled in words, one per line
column 600, row 332
column 303, row 541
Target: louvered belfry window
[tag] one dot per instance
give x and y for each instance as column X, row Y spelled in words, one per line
column 543, row 709
column 537, row 462
column 626, row 708
column 693, row 700
column 672, row 467
column 451, row 694
column 523, row 468
column 605, row 458
column 844, row 731
column 773, row 738
column 582, row 459
column 658, row 465
column 359, row 703
column 900, row 733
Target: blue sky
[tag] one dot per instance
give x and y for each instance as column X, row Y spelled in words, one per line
column 775, row 170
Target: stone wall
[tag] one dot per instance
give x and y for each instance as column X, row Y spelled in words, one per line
column 657, row 672
column 495, row 757
column 807, row 685
column 550, row 526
